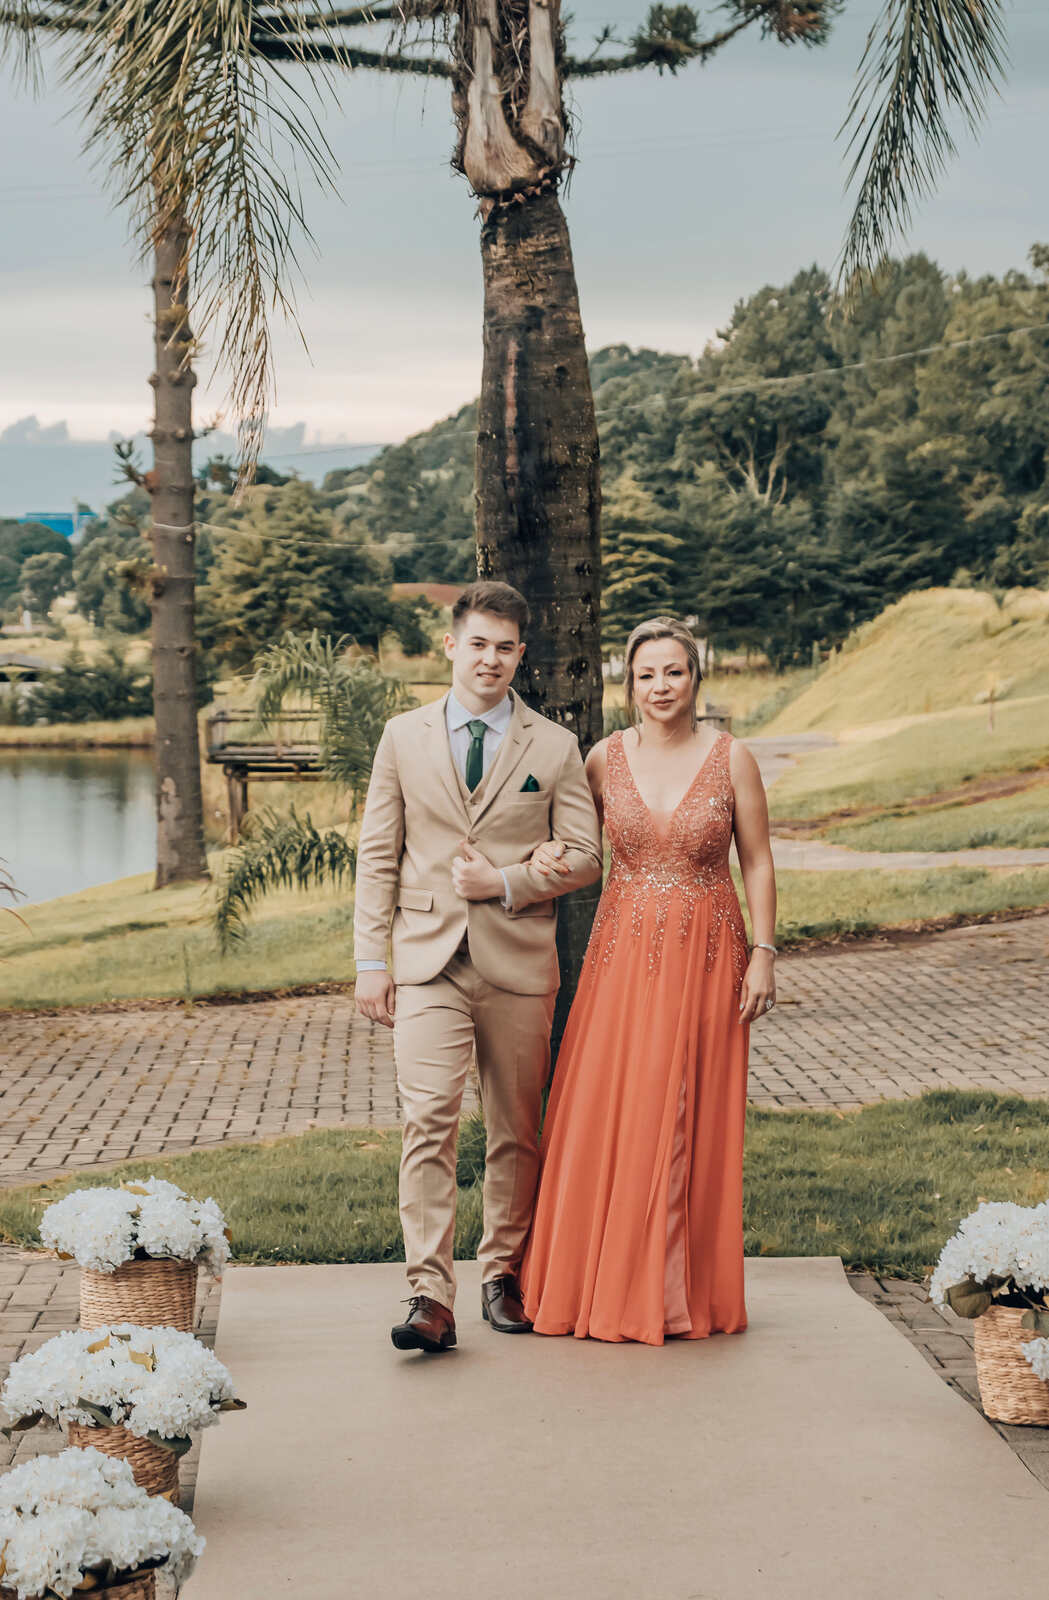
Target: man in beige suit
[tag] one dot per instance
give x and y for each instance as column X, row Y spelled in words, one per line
column 461, row 794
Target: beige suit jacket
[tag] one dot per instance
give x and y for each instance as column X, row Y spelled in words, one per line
column 417, row 814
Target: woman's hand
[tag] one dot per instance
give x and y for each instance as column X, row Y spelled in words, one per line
column 547, row 858
column 758, row 994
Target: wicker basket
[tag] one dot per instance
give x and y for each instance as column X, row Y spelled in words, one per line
column 155, row 1294
column 155, row 1470
column 143, row 1587
column 1010, row 1391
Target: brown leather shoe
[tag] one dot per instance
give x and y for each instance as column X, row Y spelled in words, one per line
column 501, row 1305
column 430, row 1326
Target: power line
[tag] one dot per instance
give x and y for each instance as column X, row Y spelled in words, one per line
column 713, row 395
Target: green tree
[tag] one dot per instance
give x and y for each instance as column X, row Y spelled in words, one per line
column 772, row 583
column 104, row 577
column 44, row 577
column 98, row 691
column 279, row 567
column 20, row 540
column 10, row 572
column 638, row 558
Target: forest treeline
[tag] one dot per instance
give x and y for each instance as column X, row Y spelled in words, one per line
column 804, row 472
column 780, row 513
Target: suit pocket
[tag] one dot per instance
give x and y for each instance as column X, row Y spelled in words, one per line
column 415, row 899
column 540, row 908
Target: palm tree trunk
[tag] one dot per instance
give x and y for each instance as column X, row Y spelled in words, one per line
column 537, row 483
column 180, row 813
column 538, row 490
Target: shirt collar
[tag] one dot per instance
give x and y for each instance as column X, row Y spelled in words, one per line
column 498, row 719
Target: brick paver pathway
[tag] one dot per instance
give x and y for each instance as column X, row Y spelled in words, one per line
column 880, row 1021
column 875, row 1021
column 84, row 1087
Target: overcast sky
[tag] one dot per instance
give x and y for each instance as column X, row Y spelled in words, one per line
column 690, row 193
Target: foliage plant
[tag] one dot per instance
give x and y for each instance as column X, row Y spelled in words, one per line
column 104, row 690
column 353, row 701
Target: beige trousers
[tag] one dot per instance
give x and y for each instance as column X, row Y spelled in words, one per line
column 438, row 1026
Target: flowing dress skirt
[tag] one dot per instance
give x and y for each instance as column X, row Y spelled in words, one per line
column 638, row 1230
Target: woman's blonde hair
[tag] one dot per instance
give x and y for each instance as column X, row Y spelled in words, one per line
column 661, row 628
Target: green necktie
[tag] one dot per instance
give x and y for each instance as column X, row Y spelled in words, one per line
column 475, row 754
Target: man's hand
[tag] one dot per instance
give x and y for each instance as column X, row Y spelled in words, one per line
column 375, row 994
column 474, row 877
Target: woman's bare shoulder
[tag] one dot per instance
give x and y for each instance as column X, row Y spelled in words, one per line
column 741, row 762
column 597, row 759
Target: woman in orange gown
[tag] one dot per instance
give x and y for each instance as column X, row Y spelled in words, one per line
column 638, row 1230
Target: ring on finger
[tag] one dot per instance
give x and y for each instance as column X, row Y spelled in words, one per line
column 769, row 1003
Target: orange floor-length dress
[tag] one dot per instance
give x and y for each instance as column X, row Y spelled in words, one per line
column 638, row 1230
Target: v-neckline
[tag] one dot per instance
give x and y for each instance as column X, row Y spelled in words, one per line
column 653, row 815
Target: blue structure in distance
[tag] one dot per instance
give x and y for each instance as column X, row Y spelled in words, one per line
column 67, row 523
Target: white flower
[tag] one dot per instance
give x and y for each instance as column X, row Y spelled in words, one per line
column 1036, row 1353
column 102, row 1228
column 179, row 1385
column 61, row 1515
column 997, row 1240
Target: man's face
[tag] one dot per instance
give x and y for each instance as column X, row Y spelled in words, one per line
column 484, row 653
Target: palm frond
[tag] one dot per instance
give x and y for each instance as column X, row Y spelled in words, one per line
column 9, row 888
column 924, row 61
column 354, row 701
column 279, row 853
column 205, row 136
column 18, row 42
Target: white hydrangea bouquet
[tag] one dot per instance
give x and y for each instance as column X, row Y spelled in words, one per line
column 999, row 1256
column 154, row 1382
column 996, row 1270
column 102, row 1229
column 79, row 1521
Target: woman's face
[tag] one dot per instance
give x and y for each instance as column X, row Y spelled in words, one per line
column 661, row 680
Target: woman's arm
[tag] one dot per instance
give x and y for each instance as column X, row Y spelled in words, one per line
column 751, row 829
column 596, row 768
column 548, row 858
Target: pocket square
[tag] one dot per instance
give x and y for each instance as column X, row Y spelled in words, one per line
column 530, row 786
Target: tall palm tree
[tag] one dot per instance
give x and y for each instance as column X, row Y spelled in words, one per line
column 537, row 485
column 537, row 482
column 925, row 60
column 196, row 133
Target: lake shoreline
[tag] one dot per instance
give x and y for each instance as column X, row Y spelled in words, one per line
column 136, row 733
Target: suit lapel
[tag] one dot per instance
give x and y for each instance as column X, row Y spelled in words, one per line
column 438, row 751
column 515, row 745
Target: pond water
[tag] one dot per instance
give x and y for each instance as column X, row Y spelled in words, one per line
column 72, row 818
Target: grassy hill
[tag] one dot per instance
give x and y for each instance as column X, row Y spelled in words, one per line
column 935, row 650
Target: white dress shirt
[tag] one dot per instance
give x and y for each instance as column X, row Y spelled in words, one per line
column 456, row 719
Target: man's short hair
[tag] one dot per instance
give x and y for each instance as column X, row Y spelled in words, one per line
column 497, row 598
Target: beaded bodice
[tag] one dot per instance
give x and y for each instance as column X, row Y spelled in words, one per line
column 674, row 864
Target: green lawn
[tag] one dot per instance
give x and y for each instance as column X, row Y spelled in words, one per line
column 825, row 905
column 1017, row 820
column 933, row 650
column 125, row 941
column 883, row 1187
column 935, row 754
